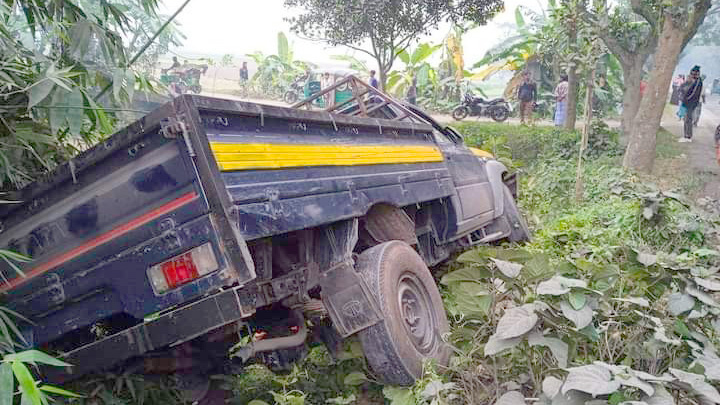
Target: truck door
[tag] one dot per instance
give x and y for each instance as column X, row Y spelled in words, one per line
column 474, row 198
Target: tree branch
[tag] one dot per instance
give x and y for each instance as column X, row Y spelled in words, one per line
column 699, row 12
column 645, row 12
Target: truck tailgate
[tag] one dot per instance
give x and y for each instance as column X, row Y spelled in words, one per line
column 96, row 225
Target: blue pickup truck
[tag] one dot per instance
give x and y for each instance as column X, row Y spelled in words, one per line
column 209, row 220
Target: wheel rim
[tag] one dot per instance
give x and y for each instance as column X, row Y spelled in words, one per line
column 416, row 312
column 459, row 113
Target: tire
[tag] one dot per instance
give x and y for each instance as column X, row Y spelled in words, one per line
column 414, row 317
column 499, row 114
column 519, row 231
column 290, row 97
column 460, row 112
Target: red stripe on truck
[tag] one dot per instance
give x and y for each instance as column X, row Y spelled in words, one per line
column 104, row 238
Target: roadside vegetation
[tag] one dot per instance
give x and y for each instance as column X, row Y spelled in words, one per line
column 613, row 298
column 613, row 301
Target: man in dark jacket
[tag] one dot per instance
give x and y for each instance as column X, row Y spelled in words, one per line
column 690, row 99
column 527, row 95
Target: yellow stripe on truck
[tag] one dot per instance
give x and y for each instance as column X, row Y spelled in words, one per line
column 243, row 156
column 481, row 153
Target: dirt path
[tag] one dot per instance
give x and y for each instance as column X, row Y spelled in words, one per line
column 699, row 156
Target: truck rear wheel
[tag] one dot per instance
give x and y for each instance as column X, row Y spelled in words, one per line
column 414, row 317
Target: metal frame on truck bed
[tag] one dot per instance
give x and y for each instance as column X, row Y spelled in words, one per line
column 211, row 218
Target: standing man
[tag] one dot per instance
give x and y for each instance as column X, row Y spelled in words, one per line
column 690, row 99
column 561, row 93
column 527, row 94
column 373, row 79
column 244, row 73
column 411, row 94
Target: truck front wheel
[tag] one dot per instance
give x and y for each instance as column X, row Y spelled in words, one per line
column 414, row 317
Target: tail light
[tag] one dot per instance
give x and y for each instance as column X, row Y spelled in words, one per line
column 183, row 268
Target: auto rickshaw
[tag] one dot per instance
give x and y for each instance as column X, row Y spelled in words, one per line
column 314, row 85
column 184, row 79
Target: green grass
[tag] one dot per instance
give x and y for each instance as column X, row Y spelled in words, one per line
column 667, row 145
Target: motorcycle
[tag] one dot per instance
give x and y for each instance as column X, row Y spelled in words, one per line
column 292, row 95
column 498, row 109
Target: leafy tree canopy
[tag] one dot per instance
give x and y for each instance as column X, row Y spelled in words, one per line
column 387, row 26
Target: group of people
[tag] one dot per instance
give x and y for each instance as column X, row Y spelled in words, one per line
column 527, row 94
column 689, row 94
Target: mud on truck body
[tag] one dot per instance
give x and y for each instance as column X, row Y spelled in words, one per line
column 209, row 219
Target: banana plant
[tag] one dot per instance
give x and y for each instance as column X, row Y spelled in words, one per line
column 417, row 66
column 275, row 72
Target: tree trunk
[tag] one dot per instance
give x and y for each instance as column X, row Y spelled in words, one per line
column 572, row 97
column 579, row 184
column 382, row 78
column 640, row 152
column 632, row 75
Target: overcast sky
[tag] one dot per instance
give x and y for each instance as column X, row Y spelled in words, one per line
column 239, row 27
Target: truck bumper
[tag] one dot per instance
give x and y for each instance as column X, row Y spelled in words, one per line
column 174, row 327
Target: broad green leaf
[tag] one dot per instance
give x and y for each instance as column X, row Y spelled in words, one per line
column 581, row 318
column 59, row 391
column 465, row 274
column 511, row 398
column 516, row 322
column 703, row 252
column 646, row 259
column 698, row 384
column 552, row 287
column 75, row 112
column 399, row 395
column 557, row 347
column 257, row 402
column 629, row 379
column 537, row 268
column 577, row 299
column 130, row 84
column 6, row 384
column 551, row 386
column 682, row 329
column 118, row 78
column 704, row 297
column 351, row 399
column 27, row 382
column 508, row 269
column 39, row 91
column 56, row 114
column 434, row 388
column 473, row 306
column 711, row 364
column 712, row 284
column 35, row 356
column 679, row 303
column 635, row 300
column 478, row 255
column 471, row 288
column 660, row 397
column 355, row 378
column 495, row 345
column 404, row 57
column 519, row 19
column 593, row 379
